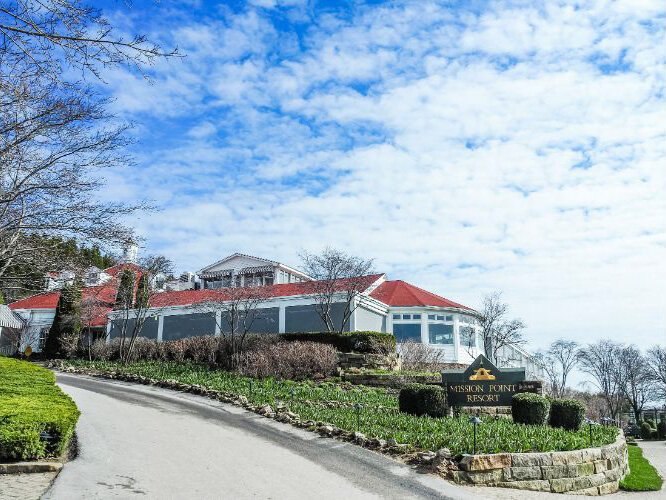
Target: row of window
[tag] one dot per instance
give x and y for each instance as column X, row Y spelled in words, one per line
column 438, row 333
column 433, row 317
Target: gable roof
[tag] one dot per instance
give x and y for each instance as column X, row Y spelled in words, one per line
column 237, row 254
column 402, row 294
column 192, row 297
column 47, row 300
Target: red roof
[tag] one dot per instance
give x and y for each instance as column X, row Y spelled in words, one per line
column 47, row 300
column 188, row 297
column 401, row 294
column 115, row 270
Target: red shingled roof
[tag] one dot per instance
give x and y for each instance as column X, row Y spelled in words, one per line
column 188, row 297
column 400, row 293
column 47, row 300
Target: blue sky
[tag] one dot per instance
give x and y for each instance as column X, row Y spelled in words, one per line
column 466, row 146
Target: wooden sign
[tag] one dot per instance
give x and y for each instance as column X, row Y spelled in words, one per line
column 483, row 384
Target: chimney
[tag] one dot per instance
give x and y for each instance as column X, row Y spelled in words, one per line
column 130, row 253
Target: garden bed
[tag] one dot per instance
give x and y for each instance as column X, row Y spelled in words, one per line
column 372, row 412
column 37, row 419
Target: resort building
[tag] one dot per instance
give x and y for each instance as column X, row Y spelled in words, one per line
column 289, row 304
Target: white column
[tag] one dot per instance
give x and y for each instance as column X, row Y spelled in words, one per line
column 425, row 338
column 108, row 329
column 456, row 339
column 218, row 323
column 281, row 319
column 160, row 327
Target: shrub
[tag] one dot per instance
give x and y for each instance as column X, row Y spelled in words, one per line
column 361, row 342
column 421, row 399
column 290, row 360
column 661, row 429
column 100, row 350
column 31, row 405
column 650, row 422
column 422, row 357
column 566, row 413
column 529, row 408
column 646, row 430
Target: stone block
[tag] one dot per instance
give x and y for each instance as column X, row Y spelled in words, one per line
column 556, row 471
column 580, row 483
column 561, row 485
column 567, row 457
column 600, row 466
column 485, row 462
column 607, row 488
column 486, row 477
column 459, row 476
column 535, row 485
column 524, row 473
column 612, row 474
column 611, row 450
column 592, row 491
column 530, row 459
column 584, row 469
column 591, row 454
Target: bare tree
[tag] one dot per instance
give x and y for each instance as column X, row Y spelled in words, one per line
column 558, row 362
column 55, row 135
column 422, row 357
column 339, row 278
column 656, row 364
column 236, row 309
column 635, row 379
column 497, row 331
column 93, row 307
column 134, row 304
column 601, row 361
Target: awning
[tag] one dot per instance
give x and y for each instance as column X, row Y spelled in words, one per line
column 257, row 269
column 217, row 274
column 9, row 319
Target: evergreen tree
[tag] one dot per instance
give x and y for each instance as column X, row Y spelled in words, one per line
column 142, row 292
column 2, row 298
column 63, row 337
column 125, row 295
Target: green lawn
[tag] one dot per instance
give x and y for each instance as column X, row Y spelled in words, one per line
column 37, row 419
column 378, row 415
column 642, row 476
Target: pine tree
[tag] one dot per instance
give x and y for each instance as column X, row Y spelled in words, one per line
column 125, row 290
column 65, row 332
column 2, row 298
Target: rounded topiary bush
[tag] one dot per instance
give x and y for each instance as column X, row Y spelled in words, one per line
column 567, row 413
column 529, row 408
column 661, row 429
column 421, row 399
column 646, row 430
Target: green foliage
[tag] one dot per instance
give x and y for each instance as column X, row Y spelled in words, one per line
column 125, row 295
column 361, row 342
column 31, row 406
column 379, row 414
column 529, row 408
column 661, row 429
column 2, row 298
column 66, row 323
column 566, row 413
column 421, row 399
column 142, row 292
column 646, row 430
column 650, row 422
column 642, row 475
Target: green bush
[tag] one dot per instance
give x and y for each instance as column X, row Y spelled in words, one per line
column 529, row 408
column 661, row 429
column 36, row 418
column 650, row 422
column 421, row 399
column 566, row 413
column 361, row 342
column 646, row 430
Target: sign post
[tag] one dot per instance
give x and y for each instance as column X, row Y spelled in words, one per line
column 483, row 384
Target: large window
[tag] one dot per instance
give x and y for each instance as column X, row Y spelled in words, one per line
column 467, row 336
column 407, row 332
column 439, row 333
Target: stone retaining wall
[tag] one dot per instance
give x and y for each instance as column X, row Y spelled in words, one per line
column 591, row 471
column 390, row 380
column 352, row 360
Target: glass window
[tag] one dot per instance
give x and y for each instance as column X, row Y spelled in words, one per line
column 407, row 332
column 431, row 317
column 406, row 316
column 449, row 318
column 396, row 316
column 467, row 336
column 440, row 334
column 440, row 318
column 416, row 316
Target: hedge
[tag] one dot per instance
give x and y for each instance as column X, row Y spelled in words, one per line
column 421, row 399
column 646, row 430
column 37, row 419
column 566, row 413
column 361, row 342
column 529, row 408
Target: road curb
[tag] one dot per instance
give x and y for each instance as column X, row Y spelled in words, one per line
column 30, row 467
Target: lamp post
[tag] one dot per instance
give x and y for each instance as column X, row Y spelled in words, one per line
column 589, row 423
column 357, row 407
column 475, row 421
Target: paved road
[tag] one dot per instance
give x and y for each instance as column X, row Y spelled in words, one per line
column 655, row 452
column 146, row 442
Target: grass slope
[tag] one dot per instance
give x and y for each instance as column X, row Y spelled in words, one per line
column 378, row 415
column 642, row 476
column 37, row 419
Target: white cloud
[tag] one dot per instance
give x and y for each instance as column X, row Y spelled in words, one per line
column 443, row 143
